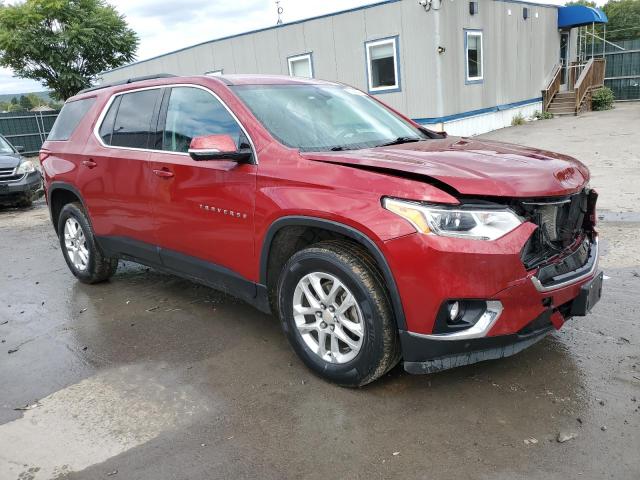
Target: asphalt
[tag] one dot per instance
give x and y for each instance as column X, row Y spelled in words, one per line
column 149, row 376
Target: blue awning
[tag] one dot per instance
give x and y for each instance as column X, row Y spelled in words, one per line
column 579, row 15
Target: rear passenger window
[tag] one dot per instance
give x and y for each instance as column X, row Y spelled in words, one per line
column 69, row 119
column 128, row 122
column 106, row 129
column 193, row 112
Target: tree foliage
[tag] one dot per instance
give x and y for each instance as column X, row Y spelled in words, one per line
column 64, row 44
column 584, row 3
column 624, row 19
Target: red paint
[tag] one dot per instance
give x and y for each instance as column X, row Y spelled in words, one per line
column 220, row 143
column 220, row 211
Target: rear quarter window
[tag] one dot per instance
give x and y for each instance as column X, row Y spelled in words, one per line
column 70, row 117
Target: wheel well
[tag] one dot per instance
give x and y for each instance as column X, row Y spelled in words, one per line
column 59, row 198
column 290, row 239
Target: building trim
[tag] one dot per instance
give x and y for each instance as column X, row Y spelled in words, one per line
column 473, row 113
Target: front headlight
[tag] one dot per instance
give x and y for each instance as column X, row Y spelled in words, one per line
column 26, row 167
column 462, row 222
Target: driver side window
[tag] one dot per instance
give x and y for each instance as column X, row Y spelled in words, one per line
column 193, row 112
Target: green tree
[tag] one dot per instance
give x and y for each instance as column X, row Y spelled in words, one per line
column 4, row 106
column 14, row 100
column 35, row 100
column 624, row 19
column 584, row 3
column 25, row 102
column 64, row 44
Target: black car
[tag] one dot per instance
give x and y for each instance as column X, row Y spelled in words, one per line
column 20, row 179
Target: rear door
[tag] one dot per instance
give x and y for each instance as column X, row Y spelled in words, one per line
column 120, row 190
column 203, row 209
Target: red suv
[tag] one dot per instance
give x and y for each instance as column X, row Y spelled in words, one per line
column 372, row 238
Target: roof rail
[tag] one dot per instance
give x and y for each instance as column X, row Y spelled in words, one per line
column 128, row 80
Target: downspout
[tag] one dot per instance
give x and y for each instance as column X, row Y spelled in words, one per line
column 439, row 94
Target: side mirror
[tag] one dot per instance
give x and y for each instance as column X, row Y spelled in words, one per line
column 217, row 147
column 19, row 148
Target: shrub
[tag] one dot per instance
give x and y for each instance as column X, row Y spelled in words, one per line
column 538, row 115
column 517, row 120
column 602, row 99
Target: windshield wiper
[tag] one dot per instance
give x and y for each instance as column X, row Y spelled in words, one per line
column 400, row 140
column 339, row 148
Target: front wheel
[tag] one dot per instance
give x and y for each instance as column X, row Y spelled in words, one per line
column 81, row 252
column 336, row 313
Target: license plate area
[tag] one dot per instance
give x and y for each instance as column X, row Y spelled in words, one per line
column 589, row 295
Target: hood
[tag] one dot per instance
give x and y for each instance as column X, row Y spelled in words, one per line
column 8, row 160
column 473, row 167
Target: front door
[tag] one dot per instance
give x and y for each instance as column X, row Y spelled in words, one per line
column 564, row 58
column 203, row 209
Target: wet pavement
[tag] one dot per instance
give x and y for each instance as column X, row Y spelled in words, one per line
column 149, row 376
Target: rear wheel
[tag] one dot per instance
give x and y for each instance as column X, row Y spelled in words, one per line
column 81, row 252
column 336, row 313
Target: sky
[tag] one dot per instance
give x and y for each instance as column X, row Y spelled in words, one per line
column 169, row 25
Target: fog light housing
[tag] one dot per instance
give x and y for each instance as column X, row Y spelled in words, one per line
column 466, row 318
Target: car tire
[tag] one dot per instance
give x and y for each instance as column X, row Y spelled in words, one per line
column 80, row 249
column 361, row 343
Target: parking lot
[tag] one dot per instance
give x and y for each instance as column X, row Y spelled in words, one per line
column 149, row 376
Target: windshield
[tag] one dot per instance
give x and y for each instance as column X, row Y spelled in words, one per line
column 325, row 117
column 5, row 147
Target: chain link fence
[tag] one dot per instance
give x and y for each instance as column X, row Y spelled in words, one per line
column 27, row 129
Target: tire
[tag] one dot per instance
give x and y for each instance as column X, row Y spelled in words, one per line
column 372, row 347
column 93, row 266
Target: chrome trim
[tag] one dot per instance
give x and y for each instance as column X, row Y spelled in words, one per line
column 480, row 329
column 12, row 180
column 105, row 109
column 205, row 150
column 541, row 288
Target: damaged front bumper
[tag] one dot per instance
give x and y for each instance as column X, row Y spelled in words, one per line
column 527, row 306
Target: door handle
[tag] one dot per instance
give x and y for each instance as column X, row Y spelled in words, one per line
column 163, row 173
column 89, row 163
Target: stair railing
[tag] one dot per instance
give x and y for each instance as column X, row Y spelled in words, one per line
column 552, row 88
column 592, row 77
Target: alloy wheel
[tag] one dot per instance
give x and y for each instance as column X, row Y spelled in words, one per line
column 76, row 244
column 328, row 317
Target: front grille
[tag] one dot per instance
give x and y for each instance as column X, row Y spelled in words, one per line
column 7, row 175
column 563, row 226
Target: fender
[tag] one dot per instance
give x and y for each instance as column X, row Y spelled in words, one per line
column 60, row 185
column 347, row 231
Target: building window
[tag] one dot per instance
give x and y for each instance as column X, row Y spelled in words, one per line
column 301, row 66
column 473, row 55
column 382, row 65
column 214, row 73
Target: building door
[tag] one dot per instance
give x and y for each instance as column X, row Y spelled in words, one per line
column 564, row 58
